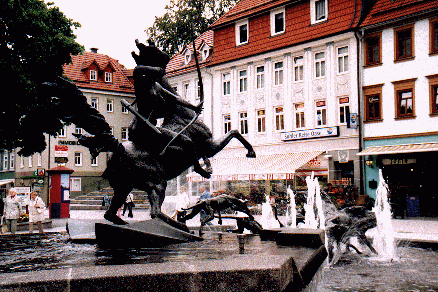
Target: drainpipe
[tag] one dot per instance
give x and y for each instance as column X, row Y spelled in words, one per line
column 358, row 35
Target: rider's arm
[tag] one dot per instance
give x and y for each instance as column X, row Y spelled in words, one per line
column 169, row 95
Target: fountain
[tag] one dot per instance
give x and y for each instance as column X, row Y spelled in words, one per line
column 384, row 237
column 291, row 213
column 312, row 219
column 268, row 220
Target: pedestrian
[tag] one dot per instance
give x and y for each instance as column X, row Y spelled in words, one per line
column 129, row 204
column 36, row 212
column 204, row 196
column 12, row 210
column 182, row 202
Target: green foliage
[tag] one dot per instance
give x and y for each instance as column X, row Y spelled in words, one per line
column 172, row 31
column 35, row 41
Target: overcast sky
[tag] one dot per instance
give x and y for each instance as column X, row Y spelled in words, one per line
column 112, row 25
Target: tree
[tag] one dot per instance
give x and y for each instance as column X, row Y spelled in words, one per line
column 36, row 40
column 172, row 31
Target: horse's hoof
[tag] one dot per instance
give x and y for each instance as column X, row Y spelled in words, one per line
column 114, row 219
column 251, row 154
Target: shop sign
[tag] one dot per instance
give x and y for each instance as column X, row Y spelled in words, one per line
column 64, row 142
column 61, row 159
column 401, row 161
column 310, row 134
column 61, row 151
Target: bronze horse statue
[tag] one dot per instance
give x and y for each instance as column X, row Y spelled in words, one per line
column 153, row 155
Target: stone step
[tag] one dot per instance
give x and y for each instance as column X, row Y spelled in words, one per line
column 100, row 207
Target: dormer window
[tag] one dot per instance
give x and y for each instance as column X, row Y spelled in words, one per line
column 187, row 57
column 108, row 77
column 318, row 10
column 278, row 23
column 93, row 75
column 242, row 32
column 205, row 52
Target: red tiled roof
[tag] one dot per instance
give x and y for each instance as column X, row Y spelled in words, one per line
column 386, row 10
column 78, row 72
column 176, row 64
column 298, row 27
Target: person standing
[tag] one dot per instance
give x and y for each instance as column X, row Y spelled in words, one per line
column 128, row 205
column 204, row 196
column 12, row 210
column 36, row 212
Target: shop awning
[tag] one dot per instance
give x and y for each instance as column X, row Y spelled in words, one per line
column 269, row 166
column 6, row 181
column 394, row 149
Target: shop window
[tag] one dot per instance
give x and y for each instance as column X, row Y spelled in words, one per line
column 433, row 32
column 227, row 123
column 404, row 43
column 344, row 110
column 433, row 93
column 373, row 49
column 279, row 119
column 373, row 102
column 261, row 121
column 260, row 77
column 404, row 96
column 243, row 123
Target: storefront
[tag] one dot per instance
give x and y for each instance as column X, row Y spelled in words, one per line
column 408, row 169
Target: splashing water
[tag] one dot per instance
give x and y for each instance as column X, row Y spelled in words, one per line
column 312, row 219
column 291, row 214
column 268, row 220
column 384, row 241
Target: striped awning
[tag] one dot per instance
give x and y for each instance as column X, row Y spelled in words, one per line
column 6, row 181
column 394, row 149
column 269, row 166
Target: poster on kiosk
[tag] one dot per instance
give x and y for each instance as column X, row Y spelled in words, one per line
column 59, row 204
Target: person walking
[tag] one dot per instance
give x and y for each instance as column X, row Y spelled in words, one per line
column 12, row 210
column 129, row 203
column 36, row 212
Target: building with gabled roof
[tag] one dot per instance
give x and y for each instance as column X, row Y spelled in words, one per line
column 400, row 108
column 104, row 82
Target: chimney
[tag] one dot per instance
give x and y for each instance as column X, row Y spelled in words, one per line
column 94, row 50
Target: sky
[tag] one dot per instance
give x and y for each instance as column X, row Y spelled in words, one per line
column 112, row 25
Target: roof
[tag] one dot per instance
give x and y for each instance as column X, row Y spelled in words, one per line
column 246, row 8
column 77, row 71
column 176, row 64
column 342, row 17
column 385, row 11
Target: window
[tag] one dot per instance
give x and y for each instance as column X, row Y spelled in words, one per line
column 298, row 68
column 187, row 57
column 278, row 73
column 124, row 109
column 243, row 123
column 5, row 160
column 433, row 89
column 39, row 159
column 277, row 21
column 186, row 91
column 110, row 105
column 94, row 161
column 198, row 95
column 241, row 32
column 343, row 59
column 12, row 161
column 243, row 81
column 93, row 75
column 433, row 32
column 404, row 97
column 124, row 134
column 108, row 77
column 373, row 52
column 279, row 119
column 205, row 52
column 21, row 161
column 227, row 123
column 112, row 130
column 260, row 77
column 62, row 133
column 318, row 11
column 319, row 65
column 404, row 43
column 226, row 80
column 78, row 130
column 321, row 113
column 78, row 159
column 75, row 184
column 95, row 103
column 344, row 110
column 30, row 161
column 373, row 102
column 261, row 121
column 299, row 115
